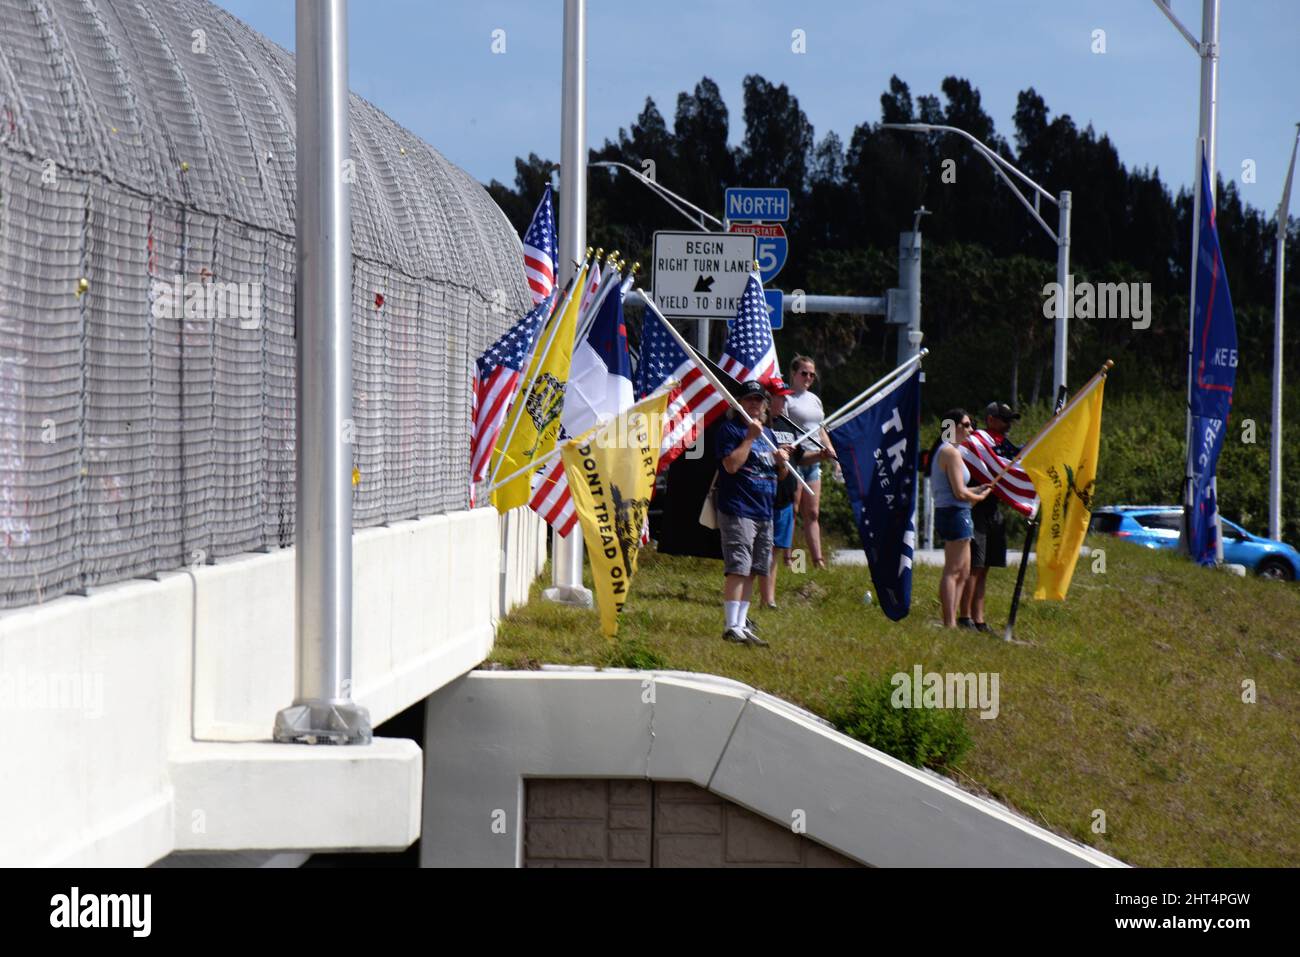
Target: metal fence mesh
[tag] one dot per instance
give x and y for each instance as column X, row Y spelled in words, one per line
column 147, row 297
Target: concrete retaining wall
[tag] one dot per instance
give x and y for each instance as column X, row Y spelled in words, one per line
column 490, row 731
column 132, row 715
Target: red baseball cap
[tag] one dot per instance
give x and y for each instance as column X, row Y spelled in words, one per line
column 777, row 387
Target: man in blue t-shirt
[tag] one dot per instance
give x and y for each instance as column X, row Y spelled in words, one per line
column 748, row 470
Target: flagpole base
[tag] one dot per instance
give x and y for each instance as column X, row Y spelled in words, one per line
column 576, row 595
column 323, row 722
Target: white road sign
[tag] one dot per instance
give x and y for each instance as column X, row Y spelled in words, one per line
column 701, row 275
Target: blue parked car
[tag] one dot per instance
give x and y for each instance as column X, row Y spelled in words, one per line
column 1156, row 526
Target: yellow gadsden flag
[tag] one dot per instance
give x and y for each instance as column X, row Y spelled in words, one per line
column 611, row 472
column 533, row 423
column 1063, row 467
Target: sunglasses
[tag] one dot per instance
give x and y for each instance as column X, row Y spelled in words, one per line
column 968, row 424
column 811, row 375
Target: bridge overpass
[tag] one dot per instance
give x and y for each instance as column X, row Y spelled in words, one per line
column 147, row 432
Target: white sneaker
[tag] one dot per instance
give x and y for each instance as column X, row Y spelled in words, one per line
column 736, row 635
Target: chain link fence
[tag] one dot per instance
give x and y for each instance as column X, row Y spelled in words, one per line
column 147, row 297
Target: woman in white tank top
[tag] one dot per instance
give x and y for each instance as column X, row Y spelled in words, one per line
column 804, row 408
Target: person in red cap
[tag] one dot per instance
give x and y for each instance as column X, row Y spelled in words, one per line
column 783, row 503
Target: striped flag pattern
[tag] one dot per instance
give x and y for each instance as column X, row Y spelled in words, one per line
column 552, row 499
column 980, row 453
column 540, row 250
column 750, row 352
column 599, row 387
column 692, row 406
column 497, row 379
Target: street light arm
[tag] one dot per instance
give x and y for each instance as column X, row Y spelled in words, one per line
column 666, row 194
column 994, row 160
column 1033, row 211
column 1284, row 206
column 1163, row 7
column 982, row 147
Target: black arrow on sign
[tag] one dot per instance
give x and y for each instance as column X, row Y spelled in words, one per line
column 704, row 284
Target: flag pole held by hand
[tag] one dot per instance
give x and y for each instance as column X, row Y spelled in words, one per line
column 852, row 407
column 1053, row 421
column 713, row 380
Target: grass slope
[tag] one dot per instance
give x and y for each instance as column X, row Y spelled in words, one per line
column 1126, row 699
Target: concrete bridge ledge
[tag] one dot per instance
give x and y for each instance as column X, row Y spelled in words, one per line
column 488, row 732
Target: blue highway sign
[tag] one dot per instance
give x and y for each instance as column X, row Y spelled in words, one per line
column 755, row 204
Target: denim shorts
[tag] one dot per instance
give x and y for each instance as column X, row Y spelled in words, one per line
column 783, row 527
column 811, row 473
column 953, row 523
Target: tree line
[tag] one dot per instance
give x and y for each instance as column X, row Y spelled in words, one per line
column 985, row 261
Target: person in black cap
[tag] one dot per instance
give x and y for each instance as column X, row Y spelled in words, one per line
column 748, row 470
column 988, row 547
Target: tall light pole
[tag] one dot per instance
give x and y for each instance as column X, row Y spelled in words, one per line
column 322, row 711
column 1275, row 463
column 566, row 552
column 693, row 213
column 1207, row 48
column 1060, row 235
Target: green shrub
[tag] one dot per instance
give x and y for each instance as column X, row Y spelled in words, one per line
column 836, row 514
column 634, row 653
column 923, row 737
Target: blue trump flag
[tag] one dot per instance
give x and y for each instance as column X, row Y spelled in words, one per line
column 878, row 451
column 1214, row 373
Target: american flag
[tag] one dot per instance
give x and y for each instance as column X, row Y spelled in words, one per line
column 692, row 405
column 540, row 252
column 981, row 454
column 750, row 352
column 552, row 499
column 496, row 381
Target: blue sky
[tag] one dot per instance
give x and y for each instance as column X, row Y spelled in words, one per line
column 429, row 65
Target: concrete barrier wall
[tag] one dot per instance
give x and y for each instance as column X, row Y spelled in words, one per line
column 104, row 697
column 490, row 731
column 524, row 540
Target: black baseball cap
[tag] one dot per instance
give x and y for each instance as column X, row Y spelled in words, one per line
column 752, row 387
column 1002, row 411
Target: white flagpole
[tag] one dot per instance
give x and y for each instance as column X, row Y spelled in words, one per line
column 1275, row 463
column 559, row 447
column 713, row 380
column 842, row 414
column 588, row 319
column 530, row 467
column 612, row 278
column 528, row 385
